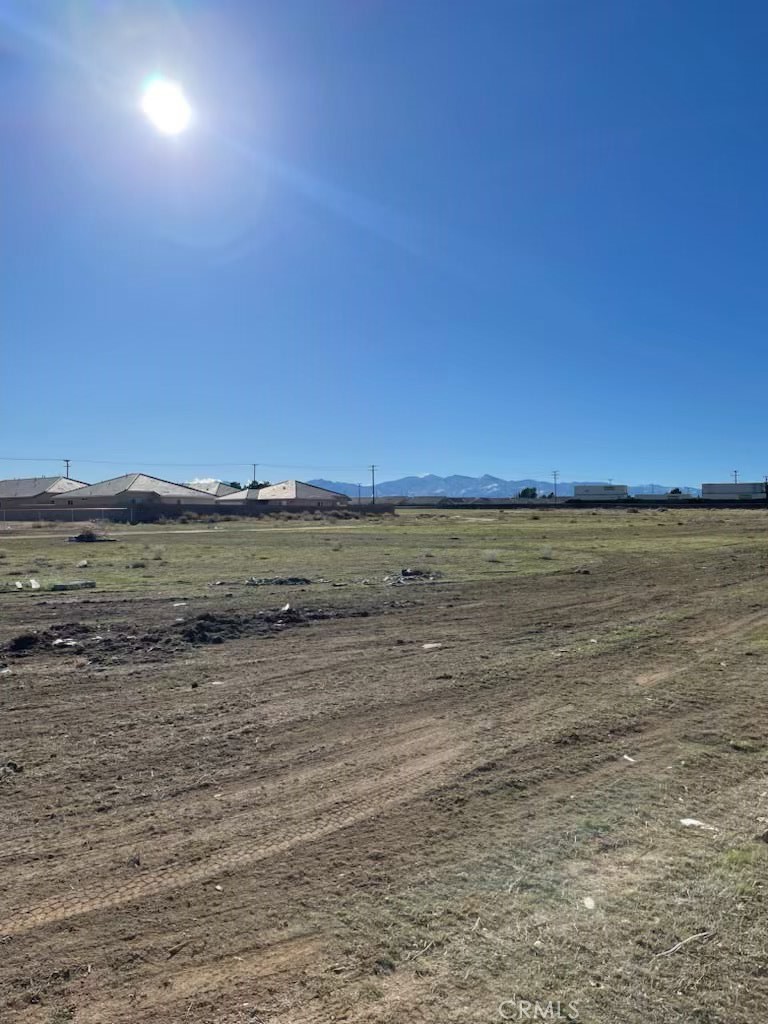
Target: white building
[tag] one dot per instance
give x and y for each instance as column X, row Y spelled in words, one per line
column 600, row 492
column 734, row 492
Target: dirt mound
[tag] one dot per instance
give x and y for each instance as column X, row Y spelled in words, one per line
column 205, row 628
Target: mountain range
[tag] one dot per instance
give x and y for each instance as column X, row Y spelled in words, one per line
column 475, row 487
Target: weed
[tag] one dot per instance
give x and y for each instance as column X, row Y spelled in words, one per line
column 745, row 746
column 492, row 556
column 369, row 992
column 742, row 858
column 61, row 1015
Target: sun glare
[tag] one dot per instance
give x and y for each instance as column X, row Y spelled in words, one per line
column 166, row 106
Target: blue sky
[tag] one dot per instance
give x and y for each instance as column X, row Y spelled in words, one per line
column 439, row 236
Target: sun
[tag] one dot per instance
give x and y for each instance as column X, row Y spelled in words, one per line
column 166, row 106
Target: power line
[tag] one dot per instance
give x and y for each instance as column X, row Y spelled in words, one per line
column 178, row 465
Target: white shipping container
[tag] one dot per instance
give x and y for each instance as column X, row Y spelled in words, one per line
column 600, row 492
column 732, row 491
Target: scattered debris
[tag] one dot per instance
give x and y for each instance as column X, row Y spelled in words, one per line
column 34, row 585
column 165, row 639
column 679, row 945
column 430, row 647
column 277, row 581
column 10, row 768
column 180, row 604
column 75, row 585
column 630, row 759
column 5, row 671
column 19, row 585
column 406, row 576
column 588, row 902
column 593, row 641
column 286, row 607
column 695, row 823
column 83, row 564
column 217, row 682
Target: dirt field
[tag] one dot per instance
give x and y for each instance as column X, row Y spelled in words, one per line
column 224, row 811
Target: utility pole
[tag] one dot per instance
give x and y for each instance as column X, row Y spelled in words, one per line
column 359, row 489
column 253, row 468
column 66, row 463
column 735, row 476
column 373, row 484
column 555, row 475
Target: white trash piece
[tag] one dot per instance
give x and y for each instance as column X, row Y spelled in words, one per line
column 695, row 823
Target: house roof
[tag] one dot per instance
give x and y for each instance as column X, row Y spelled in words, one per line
column 247, row 494
column 297, row 489
column 139, row 483
column 215, row 487
column 288, row 490
column 32, row 486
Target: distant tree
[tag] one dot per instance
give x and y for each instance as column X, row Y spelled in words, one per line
column 254, row 485
column 528, row 492
column 236, row 484
column 675, row 490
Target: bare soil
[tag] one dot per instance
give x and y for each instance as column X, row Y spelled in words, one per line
column 254, row 815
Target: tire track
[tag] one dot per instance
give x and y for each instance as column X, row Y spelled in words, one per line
column 398, row 787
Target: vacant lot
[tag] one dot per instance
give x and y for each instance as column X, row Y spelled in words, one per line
column 539, row 775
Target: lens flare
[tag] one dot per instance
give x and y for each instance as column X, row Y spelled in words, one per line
column 166, row 106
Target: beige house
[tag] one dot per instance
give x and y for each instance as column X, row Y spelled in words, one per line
column 133, row 489
column 35, row 490
column 288, row 494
